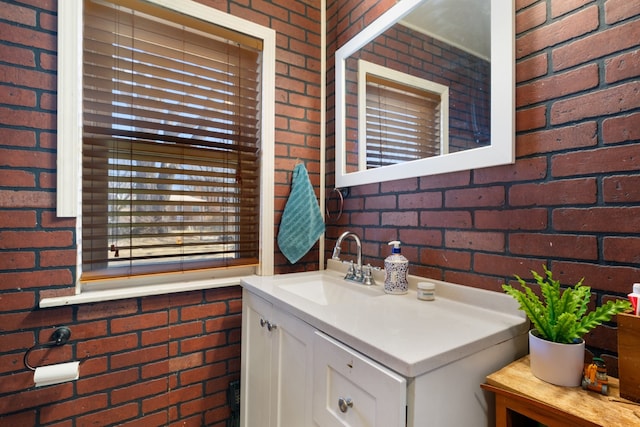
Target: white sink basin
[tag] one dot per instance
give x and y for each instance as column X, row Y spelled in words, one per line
column 323, row 290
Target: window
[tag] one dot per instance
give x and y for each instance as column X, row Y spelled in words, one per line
column 177, row 141
column 401, row 118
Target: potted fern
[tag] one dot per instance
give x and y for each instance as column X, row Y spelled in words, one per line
column 559, row 322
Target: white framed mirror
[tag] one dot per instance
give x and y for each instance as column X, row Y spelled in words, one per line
column 423, row 49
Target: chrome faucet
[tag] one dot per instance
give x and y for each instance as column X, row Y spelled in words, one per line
column 356, row 273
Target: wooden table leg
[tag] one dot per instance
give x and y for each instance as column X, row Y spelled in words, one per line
column 502, row 413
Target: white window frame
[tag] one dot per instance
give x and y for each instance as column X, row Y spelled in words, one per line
column 368, row 68
column 69, row 155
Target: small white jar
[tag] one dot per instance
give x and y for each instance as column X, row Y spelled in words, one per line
column 426, row 291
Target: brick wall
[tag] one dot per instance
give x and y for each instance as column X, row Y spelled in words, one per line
column 163, row 360
column 152, row 361
column 571, row 200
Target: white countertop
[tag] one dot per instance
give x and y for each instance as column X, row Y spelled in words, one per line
column 409, row 336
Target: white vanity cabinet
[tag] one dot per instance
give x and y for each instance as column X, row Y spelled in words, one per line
column 277, row 352
column 317, row 353
column 294, row 375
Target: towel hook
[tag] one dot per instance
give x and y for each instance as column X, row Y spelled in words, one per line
column 59, row 337
column 298, row 162
column 340, row 194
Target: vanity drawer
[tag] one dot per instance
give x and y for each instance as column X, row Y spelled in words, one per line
column 352, row 390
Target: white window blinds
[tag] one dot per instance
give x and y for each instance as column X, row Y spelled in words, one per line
column 402, row 123
column 170, row 143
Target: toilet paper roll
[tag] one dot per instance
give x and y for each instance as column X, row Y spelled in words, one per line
column 54, row 374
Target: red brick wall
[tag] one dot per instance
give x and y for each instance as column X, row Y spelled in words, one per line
column 164, row 360
column 571, row 200
column 149, row 361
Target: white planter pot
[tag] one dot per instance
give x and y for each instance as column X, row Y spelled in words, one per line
column 556, row 363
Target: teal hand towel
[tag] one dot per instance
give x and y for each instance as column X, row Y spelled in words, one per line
column 301, row 225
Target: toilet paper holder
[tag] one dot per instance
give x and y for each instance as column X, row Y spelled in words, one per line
column 59, row 337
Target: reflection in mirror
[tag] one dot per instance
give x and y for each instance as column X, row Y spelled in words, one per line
column 401, row 117
column 414, row 91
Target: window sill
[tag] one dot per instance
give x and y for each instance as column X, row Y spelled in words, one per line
column 138, row 291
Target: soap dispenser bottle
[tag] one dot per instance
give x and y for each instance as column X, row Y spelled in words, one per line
column 396, row 267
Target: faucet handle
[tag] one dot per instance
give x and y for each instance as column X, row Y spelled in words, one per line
column 351, row 271
column 368, row 279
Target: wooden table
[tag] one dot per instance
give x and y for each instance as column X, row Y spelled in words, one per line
column 518, row 391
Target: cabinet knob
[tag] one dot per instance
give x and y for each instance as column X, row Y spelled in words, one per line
column 270, row 326
column 345, row 404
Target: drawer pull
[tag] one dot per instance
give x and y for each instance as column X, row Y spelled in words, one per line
column 345, row 404
column 263, row 322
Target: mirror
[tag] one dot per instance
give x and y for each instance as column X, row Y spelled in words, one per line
column 454, row 59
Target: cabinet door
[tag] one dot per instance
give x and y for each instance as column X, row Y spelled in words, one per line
column 257, row 390
column 293, row 356
column 276, row 371
column 353, row 390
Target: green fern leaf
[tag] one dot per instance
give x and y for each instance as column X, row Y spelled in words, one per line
column 584, row 295
column 566, row 328
column 550, row 290
column 532, row 307
column 602, row 314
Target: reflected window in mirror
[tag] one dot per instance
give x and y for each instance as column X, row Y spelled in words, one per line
column 401, row 117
